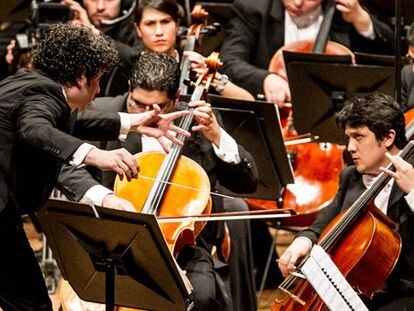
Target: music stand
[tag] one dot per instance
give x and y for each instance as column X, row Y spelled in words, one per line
column 120, row 258
column 255, row 126
column 319, row 91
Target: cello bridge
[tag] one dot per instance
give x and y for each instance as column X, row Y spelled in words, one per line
column 293, row 296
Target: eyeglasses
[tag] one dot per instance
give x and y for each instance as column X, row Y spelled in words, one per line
column 132, row 102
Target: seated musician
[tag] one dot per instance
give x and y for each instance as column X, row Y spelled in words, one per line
column 259, row 28
column 407, row 74
column 374, row 126
column 157, row 23
column 155, row 80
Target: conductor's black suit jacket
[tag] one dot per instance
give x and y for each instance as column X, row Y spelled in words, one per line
column 35, row 127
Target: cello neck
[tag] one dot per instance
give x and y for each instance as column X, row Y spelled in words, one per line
column 167, row 168
column 367, row 196
column 185, row 64
column 322, row 37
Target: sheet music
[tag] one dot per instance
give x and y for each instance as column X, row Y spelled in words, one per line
column 329, row 283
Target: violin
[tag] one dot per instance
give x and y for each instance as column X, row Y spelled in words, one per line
column 355, row 240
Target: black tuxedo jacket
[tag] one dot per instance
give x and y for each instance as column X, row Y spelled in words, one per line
column 257, row 29
column 35, row 124
column 401, row 281
column 407, row 87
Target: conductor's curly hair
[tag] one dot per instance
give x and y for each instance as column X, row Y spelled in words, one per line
column 67, row 51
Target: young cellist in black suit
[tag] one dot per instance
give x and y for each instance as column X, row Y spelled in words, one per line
column 374, row 126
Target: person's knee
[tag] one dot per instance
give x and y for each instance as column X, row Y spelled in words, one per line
column 205, row 299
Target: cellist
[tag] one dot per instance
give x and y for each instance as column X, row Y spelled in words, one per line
column 374, row 127
column 260, row 27
column 155, row 80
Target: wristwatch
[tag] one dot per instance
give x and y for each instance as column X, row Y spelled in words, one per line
column 221, row 83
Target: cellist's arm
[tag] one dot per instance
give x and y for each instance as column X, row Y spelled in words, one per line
column 237, row 50
column 372, row 35
column 302, row 245
column 236, row 169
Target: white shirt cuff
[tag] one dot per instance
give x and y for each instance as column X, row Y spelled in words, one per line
column 228, row 151
column 409, row 198
column 125, row 125
column 80, row 154
column 370, row 33
column 96, row 194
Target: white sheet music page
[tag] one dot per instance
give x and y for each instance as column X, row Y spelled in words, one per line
column 329, row 283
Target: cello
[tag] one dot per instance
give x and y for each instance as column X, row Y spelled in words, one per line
column 156, row 197
column 315, row 185
column 193, row 38
column 355, row 240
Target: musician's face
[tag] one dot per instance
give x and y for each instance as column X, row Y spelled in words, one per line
column 297, row 8
column 141, row 100
column 158, row 31
column 99, row 10
column 367, row 152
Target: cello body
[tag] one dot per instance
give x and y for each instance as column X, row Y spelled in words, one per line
column 357, row 255
column 176, row 200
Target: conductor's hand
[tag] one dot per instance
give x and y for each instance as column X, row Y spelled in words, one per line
column 120, row 161
column 298, row 249
column 206, row 122
column 404, row 173
column 276, row 90
column 156, row 124
column 115, row 202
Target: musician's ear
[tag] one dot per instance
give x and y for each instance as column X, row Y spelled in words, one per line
column 389, row 139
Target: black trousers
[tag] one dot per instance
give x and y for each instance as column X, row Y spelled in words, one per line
column 22, row 286
column 391, row 302
column 199, row 267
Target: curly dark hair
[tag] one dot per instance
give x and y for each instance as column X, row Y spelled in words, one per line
column 67, row 51
column 379, row 112
column 156, row 72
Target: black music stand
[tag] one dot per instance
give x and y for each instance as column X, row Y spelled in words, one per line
column 120, row 258
column 255, row 125
column 319, row 91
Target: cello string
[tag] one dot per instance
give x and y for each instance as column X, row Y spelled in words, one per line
column 168, row 166
column 185, row 187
